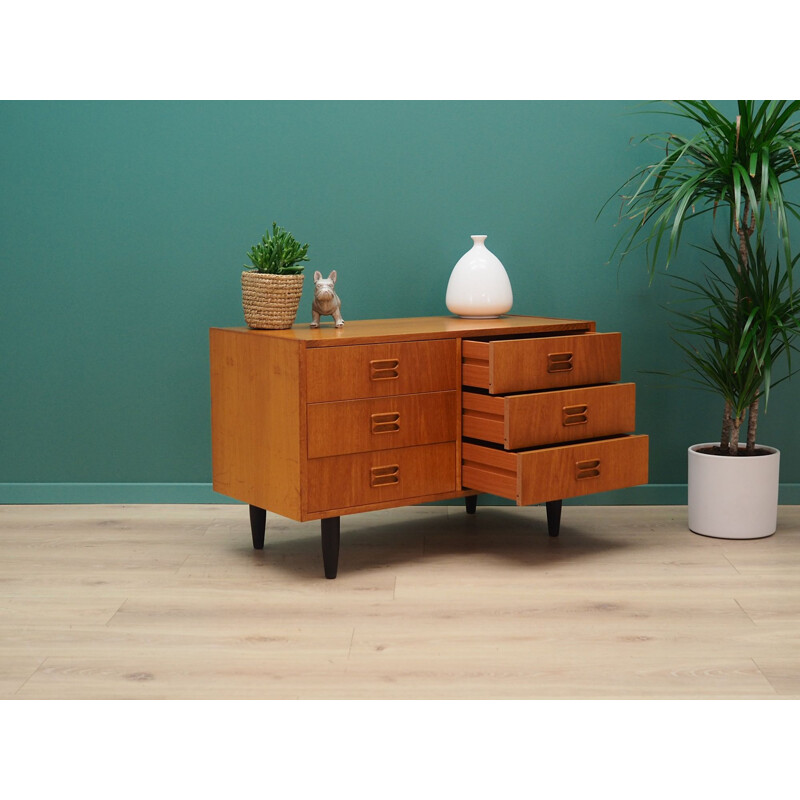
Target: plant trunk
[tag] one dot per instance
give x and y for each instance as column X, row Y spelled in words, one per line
column 733, row 447
column 745, row 231
column 752, row 425
column 744, row 234
column 727, row 422
column 743, row 261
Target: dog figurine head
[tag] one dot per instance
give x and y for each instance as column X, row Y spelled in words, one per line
column 323, row 287
column 326, row 301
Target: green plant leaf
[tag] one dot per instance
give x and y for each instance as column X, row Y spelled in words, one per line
column 278, row 253
column 740, row 323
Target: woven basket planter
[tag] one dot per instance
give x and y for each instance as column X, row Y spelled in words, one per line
column 270, row 301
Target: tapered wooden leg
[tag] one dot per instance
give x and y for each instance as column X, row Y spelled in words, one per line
column 330, row 546
column 471, row 501
column 553, row 517
column 258, row 526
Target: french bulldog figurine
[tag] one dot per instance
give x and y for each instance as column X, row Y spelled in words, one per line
column 326, row 301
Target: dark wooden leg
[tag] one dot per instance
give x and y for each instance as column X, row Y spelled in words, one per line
column 330, row 546
column 258, row 526
column 472, row 503
column 553, row 517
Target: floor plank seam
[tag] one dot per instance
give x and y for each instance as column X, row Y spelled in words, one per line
column 111, row 618
column 764, row 676
column 743, row 611
column 731, row 563
column 25, row 682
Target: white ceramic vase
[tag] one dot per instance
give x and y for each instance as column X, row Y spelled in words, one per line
column 733, row 497
column 479, row 287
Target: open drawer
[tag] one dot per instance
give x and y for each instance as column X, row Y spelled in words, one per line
column 554, row 473
column 540, row 418
column 546, row 362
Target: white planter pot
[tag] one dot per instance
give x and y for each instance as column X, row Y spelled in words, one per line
column 479, row 287
column 733, row 497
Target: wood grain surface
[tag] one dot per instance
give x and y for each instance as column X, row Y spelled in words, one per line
column 257, row 435
column 530, row 420
column 156, row 602
column 550, row 362
column 360, row 479
column 354, row 426
column 553, row 473
column 378, row 370
column 364, row 331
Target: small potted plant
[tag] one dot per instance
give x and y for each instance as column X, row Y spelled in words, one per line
column 272, row 287
column 747, row 312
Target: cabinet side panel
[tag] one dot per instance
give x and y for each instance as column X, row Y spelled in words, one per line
column 255, row 420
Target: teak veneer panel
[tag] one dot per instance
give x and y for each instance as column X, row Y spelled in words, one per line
column 354, row 426
column 256, row 440
column 555, row 473
column 530, row 420
column 548, row 362
column 388, row 475
column 378, row 370
column 368, row 331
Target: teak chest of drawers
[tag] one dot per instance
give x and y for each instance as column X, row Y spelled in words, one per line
column 319, row 423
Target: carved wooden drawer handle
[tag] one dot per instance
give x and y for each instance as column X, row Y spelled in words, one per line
column 559, row 362
column 574, row 415
column 385, row 423
column 385, row 369
column 587, row 469
column 384, row 476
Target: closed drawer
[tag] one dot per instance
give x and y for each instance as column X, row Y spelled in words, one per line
column 550, row 362
column 529, row 420
column 354, row 426
column 355, row 371
column 364, row 478
column 554, row 473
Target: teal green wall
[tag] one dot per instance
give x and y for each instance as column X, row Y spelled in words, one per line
column 124, row 225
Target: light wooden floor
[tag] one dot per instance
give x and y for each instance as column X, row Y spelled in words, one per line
column 173, row 602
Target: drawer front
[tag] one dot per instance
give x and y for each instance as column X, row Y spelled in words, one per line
column 355, row 426
column 359, row 371
column 365, row 478
column 550, row 362
column 554, row 473
column 530, row 420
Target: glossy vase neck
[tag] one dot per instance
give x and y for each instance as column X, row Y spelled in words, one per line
column 478, row 241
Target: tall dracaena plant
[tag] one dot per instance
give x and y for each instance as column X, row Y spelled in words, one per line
column 742, row 322
column 739, row 166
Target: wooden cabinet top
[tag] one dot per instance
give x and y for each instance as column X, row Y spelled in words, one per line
column 370, row 330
